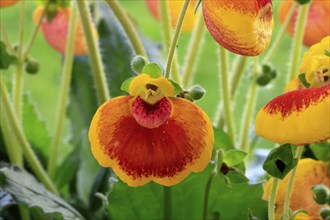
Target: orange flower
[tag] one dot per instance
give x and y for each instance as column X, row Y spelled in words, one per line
column 318, row 20
column 56, row 31
column 309, row 173
column 151, row 135
column 243, row 27
column 298, row 117
column 7, row 3
column 174, row 10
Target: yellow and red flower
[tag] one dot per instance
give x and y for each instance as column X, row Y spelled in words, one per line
column 56, row 31
column 318, row 20
column 302, row 115
column 151, row 135
column 7, row 3
column 309, row 173
column 243, row 27
column 174, row 10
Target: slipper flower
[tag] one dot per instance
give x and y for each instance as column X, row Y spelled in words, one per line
column 309, row 173
column 316, row 64
column 298, row 117
column 243, row 27
column 151, row 135
column 7, row 3
column 318, row 20
column 56, row 31
column 174, row 10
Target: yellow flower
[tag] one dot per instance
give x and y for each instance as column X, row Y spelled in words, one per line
column 151, row 135
column 309, row 173
column 243, row 27
column 297, row 117
column 174, row 10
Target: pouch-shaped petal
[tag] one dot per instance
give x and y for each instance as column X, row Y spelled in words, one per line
column 243, row 27
column 165, row 154
column 309, row 173
column 297, row 117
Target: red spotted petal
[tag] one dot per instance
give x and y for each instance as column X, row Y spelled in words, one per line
column 165, row 154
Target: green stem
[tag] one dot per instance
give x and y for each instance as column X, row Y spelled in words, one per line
column 298, row 39
column 239, row 65
column 19, row 135
column 167, row 32
column 128, row 27
column 193, row 50
column 207, row 193
column 249, row 108
column 286, row 207
column 226, row 95
column 35, row 32
column 280, row 34
column 167, row 203
column 93, row 52
column 64, row 92
column 272, row 199
column 7, row 40
column 175, row 39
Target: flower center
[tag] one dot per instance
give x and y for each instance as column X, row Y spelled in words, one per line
column 151, row 115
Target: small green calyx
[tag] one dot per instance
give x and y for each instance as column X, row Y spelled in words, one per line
column 196, row 92
column 320, row 194
column 138, row 63
column 325, row 213
column 302, row 78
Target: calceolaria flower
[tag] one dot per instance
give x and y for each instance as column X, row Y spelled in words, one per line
column 309, row 173
column 7, row 3
column 174, row 11
column 56, row 30
column 243, row 27
column 301, row 116
column 151, row 135
column 318, row 20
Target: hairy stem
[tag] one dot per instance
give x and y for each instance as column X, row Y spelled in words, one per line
column 64, row 92
column 298, row 39
column 207, row 193
column 175, row 40
column 19, row 135
column 6, row 40
column 167, row 203
column 193, row 50
column 272, row 199
column 93, row 53
column 128, row 27
column 226, row 95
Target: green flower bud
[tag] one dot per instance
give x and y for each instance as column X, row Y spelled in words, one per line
column 263, row 80
column 325, row 213
column 32, row 67
column 137, row 63
column 320, row 194
column 196, row 92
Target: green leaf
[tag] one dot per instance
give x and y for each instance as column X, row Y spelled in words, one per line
column 222, row 140
column 321, row 151
column 153, row 70
column 25, row 189
column 5, row 58
column 280, row 161
column 302, row 78
column 177, row 87
column 130, row 202
column 125, row 85
column 234, row 157
column 327, row 53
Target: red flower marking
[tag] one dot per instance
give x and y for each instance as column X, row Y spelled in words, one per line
column 297, row 101
column 151, row 116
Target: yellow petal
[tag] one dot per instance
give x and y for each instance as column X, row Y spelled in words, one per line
column 298, row 117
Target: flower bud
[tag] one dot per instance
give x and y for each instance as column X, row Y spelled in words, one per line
column 196, row 92
column 325, row 213
column 32, row 67
column 137, row 63
column 320, row 194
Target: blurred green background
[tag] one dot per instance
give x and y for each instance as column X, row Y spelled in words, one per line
column 44, row 87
